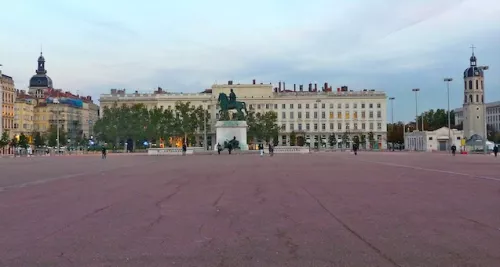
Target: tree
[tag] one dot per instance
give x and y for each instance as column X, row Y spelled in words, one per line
column 396, row 132
column 362, row 140
column 23, row 141
column 345, row 138
column 262, row 126
column 14, row 142
column 293, row 138
column 371, row 139
column 355, row 140
column 332, row 139
column 435, row 119
column 38, row 140
column 53, row 137
column 4, row 140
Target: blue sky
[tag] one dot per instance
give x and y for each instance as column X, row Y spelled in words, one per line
column 92, row 46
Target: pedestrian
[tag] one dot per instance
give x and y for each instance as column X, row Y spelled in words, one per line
column 495, row 150
column 230, row 147
column 454, row 150
column 271, row 150
column 103, row 152
column 261, row 149
column 355, row 149
column 184, row 148
column 219, row 148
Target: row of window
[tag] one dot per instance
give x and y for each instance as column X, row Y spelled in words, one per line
column 315, row 105
column 332, row 115
column 471, row 99
column 347, row 126
column 477, row 85
column 8, row 123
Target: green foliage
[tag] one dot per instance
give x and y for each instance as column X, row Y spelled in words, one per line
column 332, row 139
column 355, row 140
column 224, row 116
column 14, row 142
column 4, row 140
column 23, row 141
column 262, row 126
column 345, row 138
column 395, row 132
column 38, row 140
column 138, row 123
column 435, row 119
column 293, row 138
column 52, row 139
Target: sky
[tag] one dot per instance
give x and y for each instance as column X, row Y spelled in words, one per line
column 186, row 46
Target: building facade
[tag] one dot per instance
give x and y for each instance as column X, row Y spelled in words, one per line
column 311, row 115
column 8, row 100
column 432, row 140
column 24, row 112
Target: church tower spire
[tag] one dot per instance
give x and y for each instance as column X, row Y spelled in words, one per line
column 41, row 64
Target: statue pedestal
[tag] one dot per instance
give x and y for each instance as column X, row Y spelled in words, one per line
column 227, row 130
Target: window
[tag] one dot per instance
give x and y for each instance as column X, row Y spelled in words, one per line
column 258, row 106
column 323, row 127
column 371, row 115
column 323, row 115
column 379, row 114
column 331, row 105
column 332, row 115
column 355, row 115
column 363, row 126
column 339, row 126
column 291, row 106
column 347, row 115
column 300, row 126
column 283, row 115
column 379, row 126
column 307, row 105
column 331, row 126
column 482, row 85
column 363, row 105
column 371, row 125
column 307, row 126
column 315, row 114
column 371, row 105
column 275, row 106
column 477, row 98
column 477, row 84
column 283, row 127
column 355, row 126
column 315, row 105
column 292, row 127
column 291, row 114
column 299, row 115
column 470, row 85
column 315, row 126
column 347, row 105
column 355, row 105
column 299, row 105
column 430, row 138
column 307, row 115
column 323, row 105
column 347, row 126
column 339, row 115
column 363, row 114
column 283, row 106
column 378, row 105
column 339, row 106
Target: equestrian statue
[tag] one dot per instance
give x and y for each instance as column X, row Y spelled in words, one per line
column 227, row 104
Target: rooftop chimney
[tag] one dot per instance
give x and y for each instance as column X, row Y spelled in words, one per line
column 310, row 87
column 315, row 87
column 326, row 87
column 279, row 86
column 230, row 82
column 294, row 87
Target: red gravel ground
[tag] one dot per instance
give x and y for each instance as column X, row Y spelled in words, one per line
column 322, row 209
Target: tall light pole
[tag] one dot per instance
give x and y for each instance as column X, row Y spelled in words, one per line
column 485, row 137
column 205, row 126
column 1, row 101
column 416, row 90
column 56, row 101
column 392, row 120
column 318, row 101
column 447, row 81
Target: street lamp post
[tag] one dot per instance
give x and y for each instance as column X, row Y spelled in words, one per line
column 318, row 101
column 392, row 120
column 205, row 127
column 447, row 81
column 416, row 90
column 485, row 137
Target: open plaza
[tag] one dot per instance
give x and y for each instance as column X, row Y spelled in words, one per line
column 314, row 209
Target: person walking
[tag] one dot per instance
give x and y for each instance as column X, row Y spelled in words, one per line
column 271, row 149
column 355, row 147
column 219, row 148
column 454, row 150
column 103, row 152
column 230, row 148
column 495, row 150
column 184, row 148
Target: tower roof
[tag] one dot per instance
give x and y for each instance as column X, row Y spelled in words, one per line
column 41, row 79
column 473, row 70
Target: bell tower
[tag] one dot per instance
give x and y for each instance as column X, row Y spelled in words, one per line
column 473, row 106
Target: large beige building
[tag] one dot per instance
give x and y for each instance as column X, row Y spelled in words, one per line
column 7, row 101
column 309, row 114
column 24, row 114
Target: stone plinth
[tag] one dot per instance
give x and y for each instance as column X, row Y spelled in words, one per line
column 227, row 130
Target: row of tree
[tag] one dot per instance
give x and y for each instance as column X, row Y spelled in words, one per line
column 38, row 139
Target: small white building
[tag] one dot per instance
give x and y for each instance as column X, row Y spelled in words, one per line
column 432, row 140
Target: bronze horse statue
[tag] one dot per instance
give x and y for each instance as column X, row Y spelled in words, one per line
column 225, row 105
